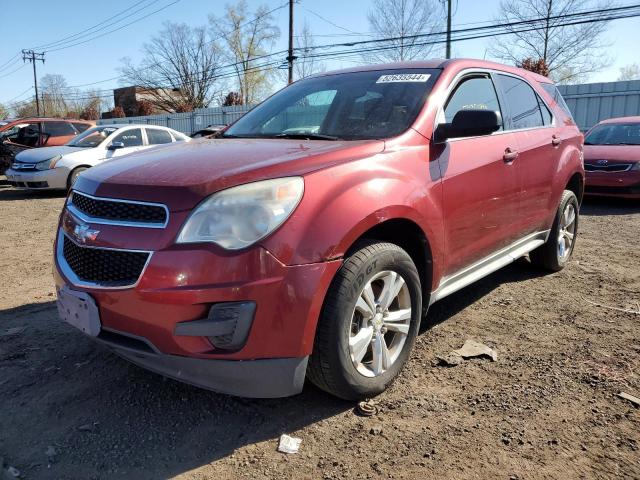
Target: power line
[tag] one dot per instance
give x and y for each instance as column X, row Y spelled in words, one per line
column 115, row 29
column 86, row 30
column 13, row 71
column 20, row 94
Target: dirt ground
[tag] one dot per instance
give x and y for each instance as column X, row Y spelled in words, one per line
column 548, row 408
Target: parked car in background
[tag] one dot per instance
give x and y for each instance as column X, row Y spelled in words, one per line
column 26, row 133
column 312, row 236
column 58, row 167
column 612, row 158
column 209, row 131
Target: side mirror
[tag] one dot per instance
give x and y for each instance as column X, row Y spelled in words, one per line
column 469, row 123
column 115, row 146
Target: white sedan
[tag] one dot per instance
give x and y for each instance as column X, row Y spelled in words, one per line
column 58, row 167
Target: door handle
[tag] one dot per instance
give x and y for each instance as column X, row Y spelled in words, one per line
column 555, row 140
column 510, row 155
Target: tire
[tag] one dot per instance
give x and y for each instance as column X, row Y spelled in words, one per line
column 73, row 176
column 557, row 250
column 342, row 333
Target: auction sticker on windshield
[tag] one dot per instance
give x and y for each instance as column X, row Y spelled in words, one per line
column 404, row 77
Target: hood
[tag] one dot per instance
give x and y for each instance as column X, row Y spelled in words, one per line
column 181, row 175
column 36, row 155
column 613, row 153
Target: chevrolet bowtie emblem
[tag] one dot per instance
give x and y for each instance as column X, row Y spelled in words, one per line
column 84, row 234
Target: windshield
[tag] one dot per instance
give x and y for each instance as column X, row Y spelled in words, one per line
column 92, row 137
column 349, row 106
column 614, row 134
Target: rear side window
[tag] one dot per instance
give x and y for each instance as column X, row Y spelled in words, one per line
column 58, row 129
column 81, row 127
column 475, row 93
column 130, row 138
column 552, row 90
column 522, row 101
column 157, row 137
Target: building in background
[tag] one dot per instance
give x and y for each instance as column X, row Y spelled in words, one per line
column 134, row 99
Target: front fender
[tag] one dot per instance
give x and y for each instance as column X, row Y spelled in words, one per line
column 341, row 203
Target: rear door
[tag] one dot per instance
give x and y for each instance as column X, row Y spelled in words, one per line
column 480, row 186
column 157, row 136
column 538, row 141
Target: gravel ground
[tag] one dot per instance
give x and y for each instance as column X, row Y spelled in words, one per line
column 547, row 408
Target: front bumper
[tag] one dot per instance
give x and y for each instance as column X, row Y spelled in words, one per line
column 180, row 284
column 53, row 179
column 266, row 378
column 622, row 184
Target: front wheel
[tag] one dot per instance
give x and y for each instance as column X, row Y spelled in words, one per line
column 368, row 324
column 556, row 252
column 73, row 176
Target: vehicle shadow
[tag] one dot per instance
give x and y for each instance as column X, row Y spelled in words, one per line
column 518, row 271
column 8, row 193
column 599, row 206
column 107, row 418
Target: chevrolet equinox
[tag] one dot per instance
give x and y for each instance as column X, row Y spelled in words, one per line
column 311, row 237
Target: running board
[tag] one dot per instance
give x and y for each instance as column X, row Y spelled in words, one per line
column 487, row 265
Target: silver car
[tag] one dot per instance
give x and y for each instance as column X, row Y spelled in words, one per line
column 56, row 168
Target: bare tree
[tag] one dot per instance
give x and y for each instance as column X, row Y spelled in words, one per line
column 630, row 72
column 4, row 112
column 571, row 52
column 402, row 20
column 247, row 37
column 179, row 59
column 305, row 65
column 54, row 89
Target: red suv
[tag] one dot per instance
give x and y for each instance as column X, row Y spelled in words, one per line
column 312, row 236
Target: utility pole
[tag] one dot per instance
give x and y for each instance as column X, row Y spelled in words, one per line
column 290, row 58
column 33, row 57
column 448, row 28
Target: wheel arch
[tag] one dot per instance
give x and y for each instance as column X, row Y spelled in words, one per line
column 576, row 185
column 71, row 173
column 409, row 236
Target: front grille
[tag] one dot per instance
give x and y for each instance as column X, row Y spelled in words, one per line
column 118, row 210
column 108, row 268
column 610, row 167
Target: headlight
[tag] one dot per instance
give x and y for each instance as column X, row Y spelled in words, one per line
column 240, row 216
column 47, row 164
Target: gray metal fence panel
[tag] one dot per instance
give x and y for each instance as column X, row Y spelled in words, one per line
column 188, row 122
column 591, row 103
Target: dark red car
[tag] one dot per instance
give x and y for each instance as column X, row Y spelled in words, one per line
column 612, row 158
column 311, row 238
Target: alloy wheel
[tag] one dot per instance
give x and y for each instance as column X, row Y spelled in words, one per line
column 567, row 231
column 380, row 323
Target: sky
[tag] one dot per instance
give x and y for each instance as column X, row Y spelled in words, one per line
column 46, row 21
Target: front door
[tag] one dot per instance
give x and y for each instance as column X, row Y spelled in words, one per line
column 480, row 188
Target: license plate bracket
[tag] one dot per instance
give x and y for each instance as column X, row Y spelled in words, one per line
column 80, row 310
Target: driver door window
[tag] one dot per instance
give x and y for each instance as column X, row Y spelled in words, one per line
column 25, row 134
column 130, row 138
column 475, row 93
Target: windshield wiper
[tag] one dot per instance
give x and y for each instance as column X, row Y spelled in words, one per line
column 306, row 136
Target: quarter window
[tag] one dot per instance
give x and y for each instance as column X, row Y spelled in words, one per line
column 553, row 91
column 157, row 136
column 130, row 138
column 522, row 101
column 546, row 114
column 476, row 93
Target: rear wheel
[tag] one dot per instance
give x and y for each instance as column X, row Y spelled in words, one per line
column 73, row 176
column 368, row 324
column 556, row 252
